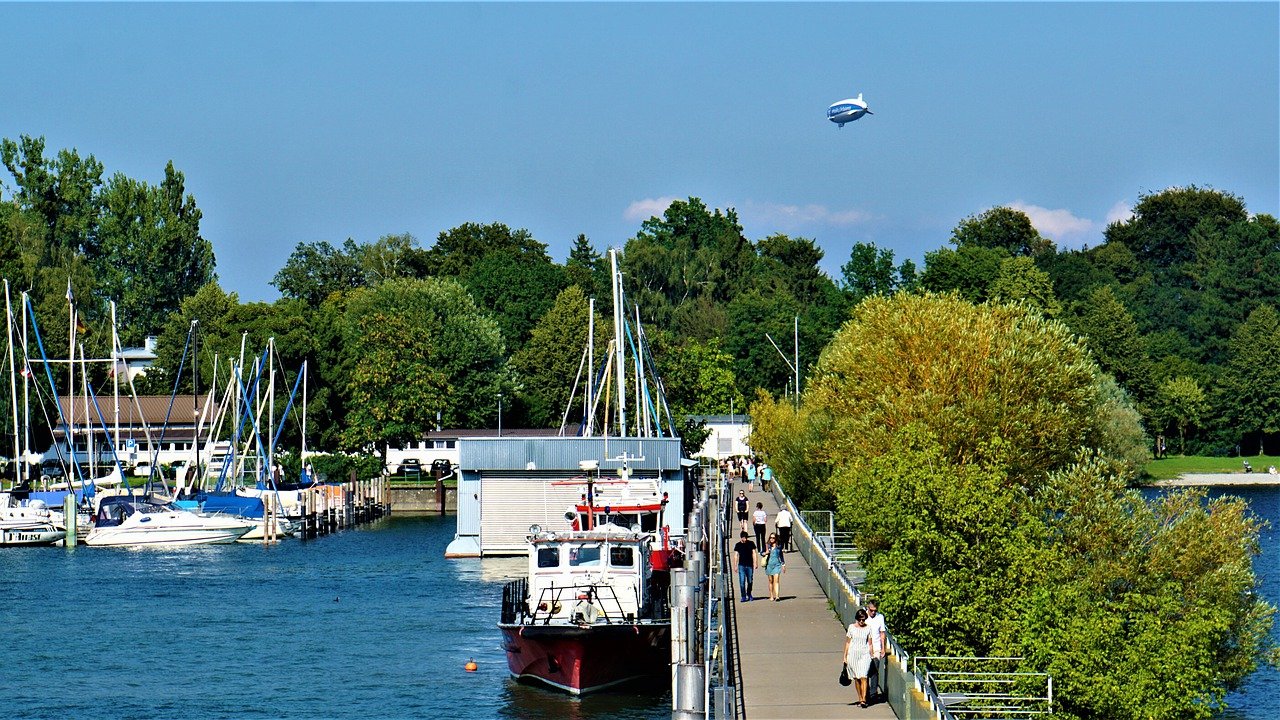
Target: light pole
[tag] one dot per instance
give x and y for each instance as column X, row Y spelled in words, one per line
column 499, row 414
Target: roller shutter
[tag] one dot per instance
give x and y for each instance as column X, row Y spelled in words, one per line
column 508, row 506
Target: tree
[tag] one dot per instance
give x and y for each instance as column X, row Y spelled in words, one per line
column 869, row 271
column 420, row 349
column 587, row 269
column 1162, row 221
column 699, row 380
column 152, row 254
column 1001, row 228
column 547, row 367
column 1113, row 336
column 1250, row 382
column 968, row 270
column 457, row 249
column 1181, row 402
column 1021, row 280
column 61, row 191
column 314, row 271
column 391, row 257
column 516, row 288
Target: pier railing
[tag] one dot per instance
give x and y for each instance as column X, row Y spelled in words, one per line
column 834, row 562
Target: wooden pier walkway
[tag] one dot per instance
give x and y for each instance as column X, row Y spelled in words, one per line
column 791, row 650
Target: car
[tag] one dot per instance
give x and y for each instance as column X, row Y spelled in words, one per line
column 51, row 469
column 411, row 467
column 142, row 469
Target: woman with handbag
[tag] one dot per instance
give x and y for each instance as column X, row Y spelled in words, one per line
column 857, row 654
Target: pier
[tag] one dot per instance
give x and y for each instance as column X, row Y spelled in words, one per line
column 332, row 507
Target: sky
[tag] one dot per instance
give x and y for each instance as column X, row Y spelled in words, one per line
column 300, row 123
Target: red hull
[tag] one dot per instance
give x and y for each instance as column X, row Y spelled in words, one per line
column 586, row 659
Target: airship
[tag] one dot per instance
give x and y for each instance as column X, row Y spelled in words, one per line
column 843, row 111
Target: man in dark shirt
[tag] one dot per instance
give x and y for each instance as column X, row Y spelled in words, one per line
column 746, row 551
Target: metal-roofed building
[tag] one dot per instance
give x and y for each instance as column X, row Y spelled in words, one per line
column 507, row 484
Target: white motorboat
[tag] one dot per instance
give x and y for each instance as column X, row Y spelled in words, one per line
column 125, row 520
column 26, row 523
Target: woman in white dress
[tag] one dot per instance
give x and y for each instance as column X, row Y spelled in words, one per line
column 857, row 654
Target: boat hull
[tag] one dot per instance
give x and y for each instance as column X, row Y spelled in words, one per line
column 17, row 537
column 116, row 536
column 585, row 659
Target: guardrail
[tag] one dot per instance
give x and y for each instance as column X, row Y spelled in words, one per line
column 828, row 553
column 985, row 687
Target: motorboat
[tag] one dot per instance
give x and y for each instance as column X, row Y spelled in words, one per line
column 26, row 523
column 592, row 612
column 132, row 520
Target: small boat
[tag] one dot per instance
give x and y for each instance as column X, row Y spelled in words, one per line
column 26, row 523
column 125, row 520
column 592, row 612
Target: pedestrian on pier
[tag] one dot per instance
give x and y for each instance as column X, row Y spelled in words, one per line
column 774, row 565
column 782, row 523
column 879, row 642
column 751, row 475
column 746, row 551
column 760, row 519
column 857, row 654
column 742, row 504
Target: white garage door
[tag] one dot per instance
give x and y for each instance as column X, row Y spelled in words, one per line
column 508, row 506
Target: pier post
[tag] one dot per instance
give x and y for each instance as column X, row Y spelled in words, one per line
column 69, row 519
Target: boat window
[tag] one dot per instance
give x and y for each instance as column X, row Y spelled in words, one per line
column 622, row 557
column 548, row 557
column 649, row 522
column 584, row 555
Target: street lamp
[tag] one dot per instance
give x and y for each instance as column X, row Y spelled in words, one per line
column 499, row 414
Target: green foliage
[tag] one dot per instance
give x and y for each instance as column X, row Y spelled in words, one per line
column 968, row 270
column 1020, row 280
column 457, row 249
column 546, row 367
column 1180, row 402
column 516, row 289
column 1250, row 384
column 317, row 270
column 699, row 380
column 1001, row 228
column 587, row 269
column 418, row 348
column 869, row 271
column 1113, row 337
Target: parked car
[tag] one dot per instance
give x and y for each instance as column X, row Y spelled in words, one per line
column 142, row 469
column 411, row 467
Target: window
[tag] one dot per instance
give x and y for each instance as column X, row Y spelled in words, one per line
column 724, row 445
column 548, row 557
column 587, row 555
column 622, row 557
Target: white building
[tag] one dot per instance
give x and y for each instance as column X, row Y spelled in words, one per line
column 728, row 438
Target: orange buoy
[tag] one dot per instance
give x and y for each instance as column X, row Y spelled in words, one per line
column 471, row 666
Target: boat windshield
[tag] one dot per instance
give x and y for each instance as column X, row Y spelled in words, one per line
column 152, row 508
column 584, row 555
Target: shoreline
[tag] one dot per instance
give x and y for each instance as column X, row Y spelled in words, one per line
column 1257, row 479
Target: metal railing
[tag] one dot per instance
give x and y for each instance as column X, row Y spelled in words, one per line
column 986, row 687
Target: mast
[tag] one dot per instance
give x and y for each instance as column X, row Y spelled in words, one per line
column 617, row 343
column 26, row 388
column 591, row 368
column 797, row 359
column 13, row 384
column 115, row 379
column 271, row 409
column 71, row 381
column 90, row 448
column 195, row 395
column 642, row 407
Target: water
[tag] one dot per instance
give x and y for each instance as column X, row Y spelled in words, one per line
column 368, row 623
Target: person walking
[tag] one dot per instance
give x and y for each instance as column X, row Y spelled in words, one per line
column 766, row 476
column 741, row 504
column 782, row 523
column 879, row 642
column 746, row 551
column 751, row 475
column 857, row 654
column 760, row 520
column 774, row 565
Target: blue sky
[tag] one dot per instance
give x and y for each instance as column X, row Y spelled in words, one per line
column 307, row 122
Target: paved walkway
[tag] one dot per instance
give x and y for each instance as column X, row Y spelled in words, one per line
column 791, row 650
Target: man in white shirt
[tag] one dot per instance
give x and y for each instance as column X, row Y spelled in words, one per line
column 879, row 642
column 783, row 523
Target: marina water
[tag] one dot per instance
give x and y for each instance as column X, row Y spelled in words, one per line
column 367, row 623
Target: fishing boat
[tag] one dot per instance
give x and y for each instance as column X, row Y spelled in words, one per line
column 127, row 520
column 593, row 610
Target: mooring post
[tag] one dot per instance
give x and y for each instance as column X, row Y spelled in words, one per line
column 69, row 519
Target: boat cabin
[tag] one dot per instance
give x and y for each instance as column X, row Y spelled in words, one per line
column 589, row 576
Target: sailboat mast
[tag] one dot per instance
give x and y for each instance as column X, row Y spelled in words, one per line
column 302, row 454
column 26, row 387
column 195, row 393
column 271, row 409
column 13, row 384
column 620, row 368
column 115, row 379
column 591, row 368
column 71, row 380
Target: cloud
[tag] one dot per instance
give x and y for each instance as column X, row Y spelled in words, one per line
column 1120, row 212
column 790, row 218
column 1057, row 224
column 641, row 210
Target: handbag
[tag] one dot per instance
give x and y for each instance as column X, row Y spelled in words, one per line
column 844, row 675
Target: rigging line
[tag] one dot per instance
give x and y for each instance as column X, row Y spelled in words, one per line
column 164, row 428
column 75, row 467
column 564, row 419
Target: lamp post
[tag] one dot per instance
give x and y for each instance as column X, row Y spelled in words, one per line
column 499, row 414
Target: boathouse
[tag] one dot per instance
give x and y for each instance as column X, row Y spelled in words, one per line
column 507, row 484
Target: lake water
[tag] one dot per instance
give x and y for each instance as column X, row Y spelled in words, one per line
column 367, row 623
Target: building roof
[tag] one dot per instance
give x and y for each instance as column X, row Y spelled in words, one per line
column 735, row 419
column 154, row 409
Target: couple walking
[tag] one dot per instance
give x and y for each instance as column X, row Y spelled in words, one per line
column 864, row 651
column 771, row 559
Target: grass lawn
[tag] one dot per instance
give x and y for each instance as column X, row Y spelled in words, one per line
column 1175, row 465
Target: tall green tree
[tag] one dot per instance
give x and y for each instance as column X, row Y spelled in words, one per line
column 870, row 271
column 1020, row 280
column 421, row 349
column 1001, row 228
column 457, row 249
column 516, row 288
column 62, row 191
column 968, row 270
column 1115, row 340
column 588, row 269
column 152, row 253
column 1250, row 382
column 314, row 271
column 548, row 366
column 1180, row 402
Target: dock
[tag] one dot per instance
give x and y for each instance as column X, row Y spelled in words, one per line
column 791, row 650
column 332, row 507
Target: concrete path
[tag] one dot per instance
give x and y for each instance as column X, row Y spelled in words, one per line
column 791, row 650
